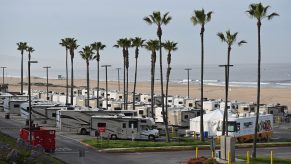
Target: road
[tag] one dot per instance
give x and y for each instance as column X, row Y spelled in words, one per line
column 68, row 150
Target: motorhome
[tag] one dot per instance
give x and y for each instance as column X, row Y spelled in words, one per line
column 12, row 104
column 211, row 105
column 42, row 112
column 240, row 126
column 77, row 119
column 122, row 127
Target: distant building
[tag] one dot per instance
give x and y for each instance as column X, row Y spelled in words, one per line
column 61, row 77
column 3, row 87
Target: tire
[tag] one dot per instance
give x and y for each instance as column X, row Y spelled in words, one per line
column 152, row 138
column 113, row 137
column 83, row 131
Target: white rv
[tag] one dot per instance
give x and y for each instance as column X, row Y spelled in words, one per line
column 12, row 104
column 122, row 127
column 77, row 119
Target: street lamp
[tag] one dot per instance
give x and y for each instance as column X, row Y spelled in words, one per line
column 188, row 69
column 225, row 124
column 29, row 101
column 47, row 67
column 118, row 79
column 106, row 84
column 3, row 74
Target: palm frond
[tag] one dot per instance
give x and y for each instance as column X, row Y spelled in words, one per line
column 272, row 15
column 241, row 42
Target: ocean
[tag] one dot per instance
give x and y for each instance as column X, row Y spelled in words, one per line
column 272, row 75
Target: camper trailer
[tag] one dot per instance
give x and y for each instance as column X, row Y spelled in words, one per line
column 122, row 127
column 76, row 119
column 240, row 126
column 12, row 104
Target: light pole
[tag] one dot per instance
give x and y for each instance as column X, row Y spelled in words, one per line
column 188, row 69
column 118, row 79
column 47, row 67
column 3, row 74
column 29, row 101
column 106, row 84
column 225, row 118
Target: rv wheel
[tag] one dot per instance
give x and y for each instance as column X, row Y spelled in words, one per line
column 151, row 137
column 83, row 131
column 113, row 137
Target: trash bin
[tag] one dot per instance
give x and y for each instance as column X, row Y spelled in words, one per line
column 205, row 134
column 7, row 116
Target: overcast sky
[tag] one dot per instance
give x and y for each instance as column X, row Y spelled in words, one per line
column 42, row 23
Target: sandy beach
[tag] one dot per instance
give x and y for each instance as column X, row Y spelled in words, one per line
column 243, row 94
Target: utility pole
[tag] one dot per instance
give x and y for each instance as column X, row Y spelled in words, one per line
column 29, row 101
column 3, row 74
column 118, row 79
column 106, row 84
column 188, row 69
column 47, row 67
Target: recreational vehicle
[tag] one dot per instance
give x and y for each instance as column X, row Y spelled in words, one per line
column 12, row 104
column 77, row 119
column 122, row 127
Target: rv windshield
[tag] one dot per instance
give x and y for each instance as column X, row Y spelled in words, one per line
column 232, row 127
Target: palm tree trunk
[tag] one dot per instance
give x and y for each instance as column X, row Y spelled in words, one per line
column 258, row 91
column 202, row 74
column 72, row 79
column 134, row 85
column 127, row 87
column 152, row 89
column 67, row 80
column 167, row 88
column 87, row 84
column 162, row 92
column 124, row 95
column 97, row 84
column 21, row 73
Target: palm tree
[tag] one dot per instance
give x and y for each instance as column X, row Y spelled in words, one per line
column 87, row 55
column 136, row 42
column 29, row 50
column 200, row 17
column 65, row 43
column 169, row 46
column 97, row 46
column 259, row 12
column 121, row 44
column 72, row 45
column 229, row 39
column 153, row 46
column 21, row 46
column 159, row 19
column 127, row 44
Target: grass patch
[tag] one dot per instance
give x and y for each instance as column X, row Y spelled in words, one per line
column 266, row 159
column 132, row 144
column 7, row 141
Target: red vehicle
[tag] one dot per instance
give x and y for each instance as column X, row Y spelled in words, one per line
column 40, row 137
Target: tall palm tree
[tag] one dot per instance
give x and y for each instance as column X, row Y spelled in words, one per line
column 65, row 43
column 153, row 46
column 159, row 19
column 121, row 44
column 200, row 17
column 29, row 50
column 87, row 55
column 169, row 46
column 97, row 46
column 21, row 46
column 137, row 42
column 229, row 39
column 72, row 45
column 259, row 12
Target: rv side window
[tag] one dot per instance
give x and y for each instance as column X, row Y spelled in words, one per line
column 232, row 126
column 120, row 97
column 238, row 126
column 109, row 105
column 123, row 125
column 16, row 105
column 53, row 114
column 180, row 102
column 190, row 104
column 248, row 125
column 101, row 125
column 216, row 106
column 143, row 121
column 140, row 112
column 169, row 101
column 186, row 116
column 132, row 122
column 246, row 109
column 149, row 100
